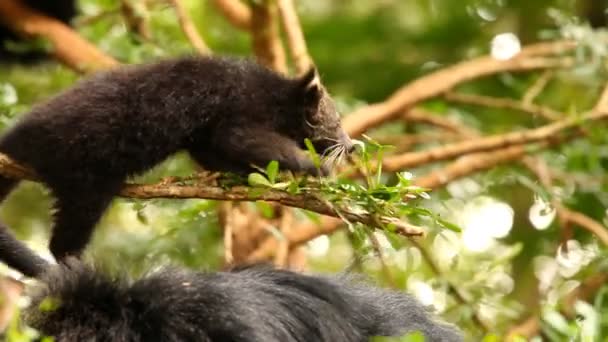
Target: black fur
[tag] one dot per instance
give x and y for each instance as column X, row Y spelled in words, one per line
column 227, row 113
column 63, row 10
column 254, row 304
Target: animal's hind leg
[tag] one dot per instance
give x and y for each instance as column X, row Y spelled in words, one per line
column 75, row 219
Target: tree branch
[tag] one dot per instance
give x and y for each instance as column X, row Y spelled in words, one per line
column 473, row 163
column 299, row 235
column 418, row 115
column 503, row 103
column 236, row 12
column 547, row 132
column 295, row 37
column 68, row 46
column 445, row 79
column 189, row 29
column 309, row 201
column 267, row 44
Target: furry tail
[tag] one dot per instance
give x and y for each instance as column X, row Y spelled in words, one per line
column 18, row 256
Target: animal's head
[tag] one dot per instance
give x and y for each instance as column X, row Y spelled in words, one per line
column 317, row 118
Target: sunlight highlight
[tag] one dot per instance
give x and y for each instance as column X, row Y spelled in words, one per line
column 318, row 246
column 484, row 221
column 541, row 214
column 505, row 46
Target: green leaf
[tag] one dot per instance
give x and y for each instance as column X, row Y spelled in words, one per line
column 448, row 225
column 258, row 180
column 313, row 153
column 272, row 170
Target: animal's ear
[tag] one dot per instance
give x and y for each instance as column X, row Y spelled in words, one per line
column 309, row 85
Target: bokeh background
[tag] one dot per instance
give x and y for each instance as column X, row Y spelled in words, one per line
column 517, row 258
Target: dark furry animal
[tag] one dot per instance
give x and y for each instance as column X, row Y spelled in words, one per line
column 62, row 10
column 227, row 113
column 251, row 304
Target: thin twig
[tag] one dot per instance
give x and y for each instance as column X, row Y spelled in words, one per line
column 282, row 253
column 68, row 46
column 503, row 103
column 537, row 87
column 295, row 36
column 189, row 29
column 135, row 21
column 227, row 223
column 236, row 12
column 418, row 115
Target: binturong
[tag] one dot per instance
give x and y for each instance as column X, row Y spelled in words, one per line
column 75, row 302
column 229, row 114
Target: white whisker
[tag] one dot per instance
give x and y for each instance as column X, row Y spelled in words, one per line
column 329, row 149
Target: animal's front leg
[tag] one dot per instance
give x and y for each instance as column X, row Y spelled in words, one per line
column 259, row 147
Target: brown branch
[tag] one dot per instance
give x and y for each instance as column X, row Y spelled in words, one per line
column 294, row 35
column 473, row 163
column 281, row 255
column 443, row 80
column 526, row 329
column 226, row 221
column 403, row 142
column 308, row 201
column 547, row 132
column 586, row 223
column 68, row 46
column 189, row 29
column 93, row 18
column 10, row 293
column 566, row 215
column 134, row 21
column 236, row 12
column 503, row 103
column 418, row 115
column 602, row 102
column 300, row 234
column 267, row 44
column 537, row 87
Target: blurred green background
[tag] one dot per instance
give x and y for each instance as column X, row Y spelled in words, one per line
column 365, row 50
